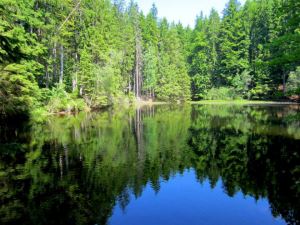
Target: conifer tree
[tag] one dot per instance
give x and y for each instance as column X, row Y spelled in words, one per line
column 234, row 44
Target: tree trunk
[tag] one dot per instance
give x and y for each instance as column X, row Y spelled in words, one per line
column 138, row 61
column 137, row 69
column 129, row 84
column 137, row 74
column 75, row 78
column 284, row 83
column 47, row 75
column 54, row 63
column 61, row 76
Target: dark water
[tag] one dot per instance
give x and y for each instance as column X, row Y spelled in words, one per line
column 157, row 165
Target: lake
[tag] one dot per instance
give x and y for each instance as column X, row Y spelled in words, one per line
column 159, row 165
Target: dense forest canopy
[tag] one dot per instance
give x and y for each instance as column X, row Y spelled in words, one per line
column 72, row 54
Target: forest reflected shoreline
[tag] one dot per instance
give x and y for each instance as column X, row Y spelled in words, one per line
column 87, row 163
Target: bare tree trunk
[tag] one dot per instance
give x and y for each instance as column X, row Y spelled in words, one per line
column 137, row 73
column 47, row 75
column 151, row 93
column 284, row 83
column 75, row 78
column 74, row 82
column 129, row 84
column 54, row 63
column 76, row 58
column 134, row 82
column 61, row 76
column 138, row 61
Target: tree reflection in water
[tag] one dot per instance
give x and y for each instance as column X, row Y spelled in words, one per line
column 74, row 169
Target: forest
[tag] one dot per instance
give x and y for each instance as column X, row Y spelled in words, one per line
column 72, row 55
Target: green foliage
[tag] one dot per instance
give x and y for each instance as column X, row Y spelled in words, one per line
column 222, row 93
column 293, row 82
column 260, row 91
column 252, row 49
column 150, row 69
column 203, row 59
column 101, row 52
column 19, row 50
column 234, row 43
column 60, row 101
column 200, row 67
column 173, row 82
column 241, row 83
column 18, row 89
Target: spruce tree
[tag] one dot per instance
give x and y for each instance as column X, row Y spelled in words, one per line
column 234, row 44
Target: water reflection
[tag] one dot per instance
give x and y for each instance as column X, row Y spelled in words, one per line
column 74, row 170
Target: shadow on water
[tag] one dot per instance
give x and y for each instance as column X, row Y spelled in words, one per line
column 75, row 169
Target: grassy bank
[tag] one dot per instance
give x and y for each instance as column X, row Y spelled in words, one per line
column 42, row 112
column 240, row 102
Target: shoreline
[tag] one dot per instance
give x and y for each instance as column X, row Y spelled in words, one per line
column 140, row 103
column 242, row 102
column 218, row 102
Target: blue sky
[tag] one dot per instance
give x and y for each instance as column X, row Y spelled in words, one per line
column 184, row 11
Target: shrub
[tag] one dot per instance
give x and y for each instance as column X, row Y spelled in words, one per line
column 222, row 93
column 260, row 91
column 19, row 91
column 293, row 83
column 61, row 101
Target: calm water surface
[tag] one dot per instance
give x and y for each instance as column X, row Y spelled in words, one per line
column 168, row 165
